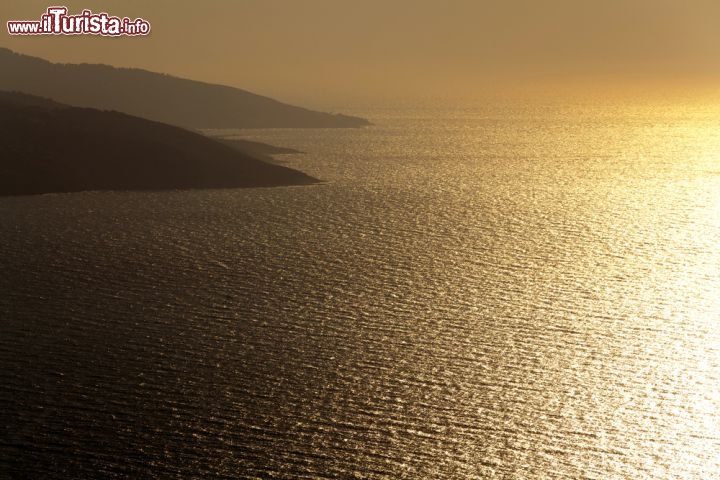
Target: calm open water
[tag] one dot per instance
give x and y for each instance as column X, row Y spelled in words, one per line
column 485, row 292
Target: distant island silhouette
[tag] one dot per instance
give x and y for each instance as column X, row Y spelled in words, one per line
column 156, row 96
column 256, row 149
column 47, row 147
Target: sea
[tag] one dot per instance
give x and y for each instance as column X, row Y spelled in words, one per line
column 502, row 290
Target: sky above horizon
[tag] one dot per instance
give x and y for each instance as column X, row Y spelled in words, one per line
column 324, row 51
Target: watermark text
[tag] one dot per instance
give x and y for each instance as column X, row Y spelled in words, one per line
column 57, row 22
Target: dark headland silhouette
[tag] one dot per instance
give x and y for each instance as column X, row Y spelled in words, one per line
column 48, row 147
column 156, row 96
column 256, row 149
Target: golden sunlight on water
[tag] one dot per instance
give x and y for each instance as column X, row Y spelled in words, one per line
column 504, row 291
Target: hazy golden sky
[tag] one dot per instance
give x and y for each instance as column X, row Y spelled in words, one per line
column 319, row 51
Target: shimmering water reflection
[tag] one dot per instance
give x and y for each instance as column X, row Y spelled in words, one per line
column 483, row 292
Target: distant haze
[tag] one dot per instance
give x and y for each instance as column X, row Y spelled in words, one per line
column 321, row 52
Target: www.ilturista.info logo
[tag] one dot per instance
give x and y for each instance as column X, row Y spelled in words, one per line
column 57, row 22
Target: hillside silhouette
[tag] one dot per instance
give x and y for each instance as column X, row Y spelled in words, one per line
column 155, row 96
column 50, row 147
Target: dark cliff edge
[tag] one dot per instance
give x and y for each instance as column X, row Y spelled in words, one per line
column 156, row 96
column 49, row 147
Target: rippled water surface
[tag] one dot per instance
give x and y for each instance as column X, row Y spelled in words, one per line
column 479, row 292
